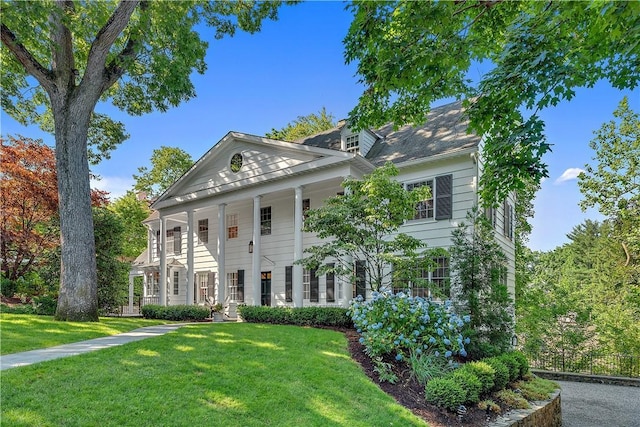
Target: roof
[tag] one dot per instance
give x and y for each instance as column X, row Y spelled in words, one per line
column 444, row 132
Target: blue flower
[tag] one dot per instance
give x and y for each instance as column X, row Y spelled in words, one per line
column 432, row 340
column 467, row 340
column 447, row 354
column 437, row 353
column 361, row 340
column 439, row 331
column 463, row 352
column 466, row 318
column 447, row 342
column 398, row 356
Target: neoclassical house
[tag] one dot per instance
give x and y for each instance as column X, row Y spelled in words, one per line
column 231, row 227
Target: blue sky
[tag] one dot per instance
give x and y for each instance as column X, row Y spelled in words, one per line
column 294, row 67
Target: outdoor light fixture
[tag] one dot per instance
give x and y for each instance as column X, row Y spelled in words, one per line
column 514, row 341
column 251, row 247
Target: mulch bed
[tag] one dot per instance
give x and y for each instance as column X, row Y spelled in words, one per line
column 410, row 394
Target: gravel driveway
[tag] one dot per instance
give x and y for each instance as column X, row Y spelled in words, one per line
column 599, row 405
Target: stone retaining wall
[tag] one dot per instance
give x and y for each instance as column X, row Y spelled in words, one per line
column 596, row 379
column 546, row 413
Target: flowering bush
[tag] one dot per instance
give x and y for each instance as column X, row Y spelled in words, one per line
column 400, row 325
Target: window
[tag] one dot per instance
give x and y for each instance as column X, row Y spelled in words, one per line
column 306, row 284
column 352, row 143
column 235, row 285
column 236, row 163
column 158, row 243
column 168, row 244
column 205, row 283
column 174, row 241
column 424, row 208
column 306, row 205
column 265, row 221
column 439, row 206
column 232, row 226
column 330, row 284
column 429, row 283
column 203, row 231
column 288, row 283
column 176, row 282
column 502, row 275
column 490, row 214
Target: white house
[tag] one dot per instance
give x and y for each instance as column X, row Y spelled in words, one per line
column 231, row 227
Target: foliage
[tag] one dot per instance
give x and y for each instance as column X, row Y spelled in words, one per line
column 28, row 202
column 484, row 372
column 362, row 225
column 45, row 305
column 200, row 374
column 304, row 126
column 167, row 165
column 401, row 325
column 8, row 287
column 512, row 364
column 501, row 372
column 139, row 55
column 536, row 388
column 512, row 399
column 174, row 312
column 612, row 184
column 301, row 316
column 489, row 406
column 479, row 287
column 410, row 54
column 470, row 383
column 445, row 392
column 426, row 366
column 385, row 371
column 132, row 211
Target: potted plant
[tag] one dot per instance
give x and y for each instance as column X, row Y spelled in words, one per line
column 217, row 311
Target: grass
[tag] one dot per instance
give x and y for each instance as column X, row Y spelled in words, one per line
column 536, row 388
column 206, row 374
column 23, row 332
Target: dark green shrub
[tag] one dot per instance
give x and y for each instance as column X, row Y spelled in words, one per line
column 522, row 361
column 45, row 305
column 469, row 383
column 445, row 392
column 512, row 364
column 303, row 316
column 175, row 312
column 501, row 378
column 484, row 372
column 8, row 287
column 18, row 309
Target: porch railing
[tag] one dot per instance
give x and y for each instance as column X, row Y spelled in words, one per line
column 593, row 363
column 149, row 300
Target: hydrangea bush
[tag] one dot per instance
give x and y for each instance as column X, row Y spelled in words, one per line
column 401, row 325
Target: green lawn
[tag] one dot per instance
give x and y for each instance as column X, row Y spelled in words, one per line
column 23, row 332
column 201, row 375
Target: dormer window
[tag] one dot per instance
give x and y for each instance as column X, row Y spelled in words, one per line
column 352, row 143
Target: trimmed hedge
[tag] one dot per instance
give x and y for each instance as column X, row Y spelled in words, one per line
column 175, row 312
column 471, row 381
column 335, row 317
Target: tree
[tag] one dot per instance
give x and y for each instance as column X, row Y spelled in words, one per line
column 362, row 225
column 613, row 185
column 410, row 54
column 28, row 204
column 304, row 126
column 479, row 286
column 167, row 165
column 132, row 211
column 138, row 54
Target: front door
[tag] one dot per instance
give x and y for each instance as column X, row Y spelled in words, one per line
column 265, row 285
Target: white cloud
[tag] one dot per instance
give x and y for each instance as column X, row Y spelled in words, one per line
column 116, row 186
column 568, row 175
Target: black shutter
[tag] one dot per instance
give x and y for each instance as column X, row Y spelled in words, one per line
column 241, row 285
column 444, row 197
column 177, row 240
column 314, row 287
column 158, row 243
column 196, row 288
column 331, row 293
column 288, row 283
column 361, row 280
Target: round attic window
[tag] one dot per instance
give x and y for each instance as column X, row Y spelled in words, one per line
column 236, row 162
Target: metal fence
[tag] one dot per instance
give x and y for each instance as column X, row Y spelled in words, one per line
column 593, row 363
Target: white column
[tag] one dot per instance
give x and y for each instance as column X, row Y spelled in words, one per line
column 222, row 238
column 191, row 235
column 256, row 251
column 150, row 237
column 297, row 248
column 131, row 294
column 162, row 286
column 145, row 283
column 347, row 286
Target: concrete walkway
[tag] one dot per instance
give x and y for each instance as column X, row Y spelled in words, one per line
column 15, row 360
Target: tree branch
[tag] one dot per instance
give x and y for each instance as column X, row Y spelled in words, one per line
column 26, row 59
column 104, row 40
column 63, row 61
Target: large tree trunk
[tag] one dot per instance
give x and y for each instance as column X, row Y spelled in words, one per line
column 78, row 300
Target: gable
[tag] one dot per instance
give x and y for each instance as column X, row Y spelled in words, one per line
column 263, row 160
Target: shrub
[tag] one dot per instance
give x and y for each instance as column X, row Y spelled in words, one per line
column 335, row 317
column 45, row 305
column 536, row 388
column 397, row 324
column 512, row 399
column 522, row 361
column 489, row 406
column 501, row 377
column 469, row 383
column 484, row 372
column 18, row 309
column 175, row 312
column 425, row 367
column 512, row 364
column 445, row 392
column 8, row 287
